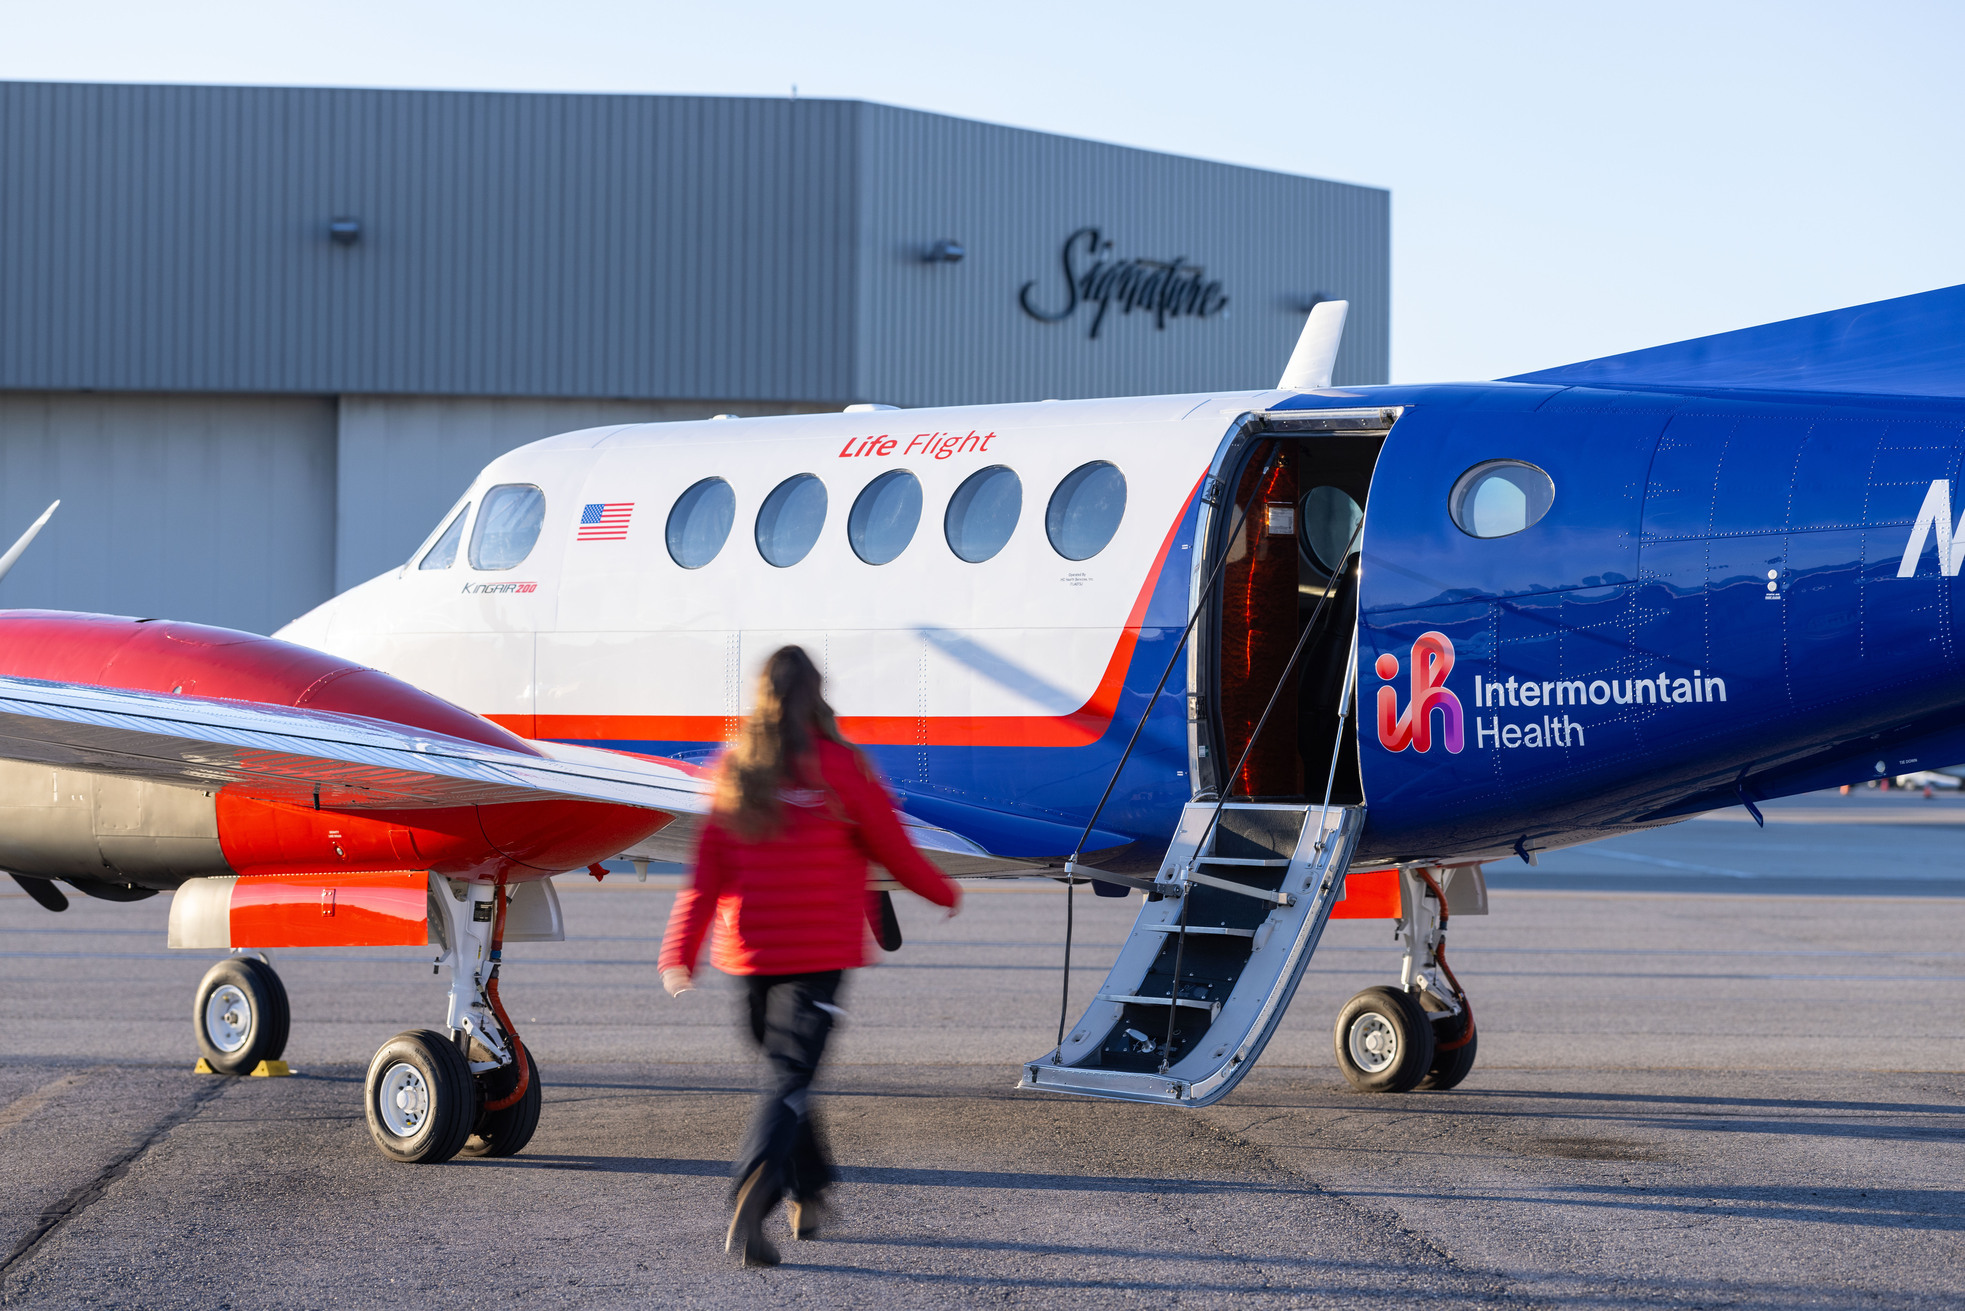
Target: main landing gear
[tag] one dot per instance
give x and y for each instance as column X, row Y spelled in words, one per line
column 473, row 1091
column 1420, row 1034
column 240, row 1015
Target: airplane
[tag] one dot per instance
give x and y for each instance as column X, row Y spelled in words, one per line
column 1269, row 658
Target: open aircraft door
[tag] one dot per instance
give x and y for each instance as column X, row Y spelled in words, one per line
column 1260, row 859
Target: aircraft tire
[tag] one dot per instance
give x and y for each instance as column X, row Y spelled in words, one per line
column 506, row 1132
column 1384, row 1041
column 240, row 1015
column 419, row 1098
column 1450, row 1067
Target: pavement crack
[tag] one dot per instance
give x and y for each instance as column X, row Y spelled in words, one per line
column 79, row 1199
column 1487, row 1285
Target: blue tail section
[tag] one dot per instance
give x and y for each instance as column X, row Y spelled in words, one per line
column 1910, row 346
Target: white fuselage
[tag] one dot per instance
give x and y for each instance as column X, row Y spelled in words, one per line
column 611, row 640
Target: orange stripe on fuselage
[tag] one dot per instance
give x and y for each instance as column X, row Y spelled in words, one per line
column 1081, row 727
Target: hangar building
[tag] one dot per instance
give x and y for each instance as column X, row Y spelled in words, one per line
column 257, row 339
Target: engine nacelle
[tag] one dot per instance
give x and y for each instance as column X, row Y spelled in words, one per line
column 393, row 909
column 87, row 825
column 75, row 824
column 70, row 824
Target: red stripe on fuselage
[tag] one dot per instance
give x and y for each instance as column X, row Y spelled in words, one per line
column 1081, row 727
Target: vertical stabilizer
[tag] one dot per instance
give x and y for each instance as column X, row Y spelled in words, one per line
column 1316, row 350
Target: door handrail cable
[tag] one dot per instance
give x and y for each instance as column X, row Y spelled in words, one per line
column 1071, row 862
column 1214, row 817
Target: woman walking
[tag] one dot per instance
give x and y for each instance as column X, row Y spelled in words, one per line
column 781, row 869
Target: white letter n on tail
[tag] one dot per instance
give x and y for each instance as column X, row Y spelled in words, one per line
column 1934, row 517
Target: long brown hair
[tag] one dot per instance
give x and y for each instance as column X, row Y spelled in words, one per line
column 774, row 746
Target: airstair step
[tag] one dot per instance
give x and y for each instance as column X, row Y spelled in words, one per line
column 1212, row 1007
column 1249, row 949
column 1276, row 895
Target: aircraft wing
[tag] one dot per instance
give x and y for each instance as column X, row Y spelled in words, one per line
column 950, row 851
column 280, row 753
column 352, row 762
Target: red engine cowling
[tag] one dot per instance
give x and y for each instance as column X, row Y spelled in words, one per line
column 248, row 836
column 160, row 655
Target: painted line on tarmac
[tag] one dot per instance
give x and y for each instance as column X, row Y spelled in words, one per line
column 1776, row 815
column 1679, row 864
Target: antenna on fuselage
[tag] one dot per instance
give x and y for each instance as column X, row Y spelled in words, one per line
column 1316, row 350
column 26, row 540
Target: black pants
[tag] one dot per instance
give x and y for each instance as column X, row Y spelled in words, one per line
column 790, row 1018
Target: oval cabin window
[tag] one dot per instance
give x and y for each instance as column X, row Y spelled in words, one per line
column 1499, row 497
column 1085, row 510
column 444, row 553
column 983, row 513
column 700, row 522
column 1329, row 519
column 789, row 521
column 884, row 516
column 507, row 526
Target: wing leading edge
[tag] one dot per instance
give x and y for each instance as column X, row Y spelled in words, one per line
column 280, row 753
column 350, row 762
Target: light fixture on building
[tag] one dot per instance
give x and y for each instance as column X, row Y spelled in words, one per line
column 944, row 251
column 345, row 231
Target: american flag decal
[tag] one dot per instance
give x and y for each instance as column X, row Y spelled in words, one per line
column 605, row 521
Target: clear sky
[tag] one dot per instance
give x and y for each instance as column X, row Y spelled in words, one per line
column 1568, row 180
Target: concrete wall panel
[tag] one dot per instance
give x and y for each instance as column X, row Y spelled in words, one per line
column 216, row 509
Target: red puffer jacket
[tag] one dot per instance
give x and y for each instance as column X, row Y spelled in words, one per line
column 796, row 902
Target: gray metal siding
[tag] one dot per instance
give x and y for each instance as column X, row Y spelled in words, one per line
column 942, row 333
column 174, row 239
column 216, row 509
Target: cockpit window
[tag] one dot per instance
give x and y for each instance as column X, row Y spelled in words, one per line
column 444, row 553
column 1499, row 497
column 507, row 526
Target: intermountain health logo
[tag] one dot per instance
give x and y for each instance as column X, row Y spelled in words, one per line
column 1432, row 661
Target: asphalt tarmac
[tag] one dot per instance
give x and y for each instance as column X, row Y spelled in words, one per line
column 1720, row 1066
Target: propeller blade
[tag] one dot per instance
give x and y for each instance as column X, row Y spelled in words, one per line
column 26, row 540
column 42, row 890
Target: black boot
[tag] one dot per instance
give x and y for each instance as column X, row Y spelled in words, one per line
column 746, row 1238
column 809, row 1217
